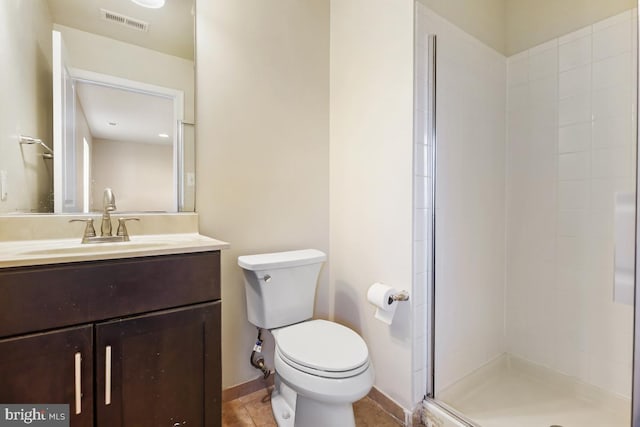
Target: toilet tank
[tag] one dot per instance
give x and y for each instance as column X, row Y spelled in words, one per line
column 281, row 287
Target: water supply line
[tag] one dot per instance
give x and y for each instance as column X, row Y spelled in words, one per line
column 256, row 359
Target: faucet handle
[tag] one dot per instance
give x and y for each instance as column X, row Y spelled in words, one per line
column 89, row 230
column 122, row 227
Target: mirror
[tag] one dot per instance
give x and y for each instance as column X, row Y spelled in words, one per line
column 108, row 85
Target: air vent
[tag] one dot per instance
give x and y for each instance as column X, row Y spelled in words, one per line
column 127, row 21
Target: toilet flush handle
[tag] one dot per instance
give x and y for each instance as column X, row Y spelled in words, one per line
column 266, row 278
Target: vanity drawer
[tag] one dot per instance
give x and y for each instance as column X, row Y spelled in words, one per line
column 46, row 297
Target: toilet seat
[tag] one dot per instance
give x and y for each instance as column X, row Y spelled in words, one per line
column 322, row 348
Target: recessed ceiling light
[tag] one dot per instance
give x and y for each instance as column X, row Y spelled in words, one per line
column 163, row 135
column 151, row 4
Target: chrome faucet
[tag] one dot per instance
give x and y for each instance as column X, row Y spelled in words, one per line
column 109, row 205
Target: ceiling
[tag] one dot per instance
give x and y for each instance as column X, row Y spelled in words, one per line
column 138, row 117
column 170, row 28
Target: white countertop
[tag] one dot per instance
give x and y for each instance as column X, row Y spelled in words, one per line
column 55, row 251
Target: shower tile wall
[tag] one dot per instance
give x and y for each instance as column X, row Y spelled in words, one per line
column 571, row 146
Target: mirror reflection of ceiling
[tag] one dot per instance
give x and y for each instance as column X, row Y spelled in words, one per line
column 120, row 115
column 170, row 28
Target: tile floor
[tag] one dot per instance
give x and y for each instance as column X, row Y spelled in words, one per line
column 254, row 410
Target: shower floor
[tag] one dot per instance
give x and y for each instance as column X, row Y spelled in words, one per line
column 511, row 392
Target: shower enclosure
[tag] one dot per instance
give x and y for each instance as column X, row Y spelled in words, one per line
column 525, row 185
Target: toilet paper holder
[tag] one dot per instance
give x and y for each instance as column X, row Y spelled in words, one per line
column 400, row 296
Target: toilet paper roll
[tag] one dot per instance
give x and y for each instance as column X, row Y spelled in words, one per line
column 380, row 295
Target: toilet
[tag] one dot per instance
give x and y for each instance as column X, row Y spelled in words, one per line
column 321, row 367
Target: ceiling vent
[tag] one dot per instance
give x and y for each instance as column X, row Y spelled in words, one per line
column 127, row 21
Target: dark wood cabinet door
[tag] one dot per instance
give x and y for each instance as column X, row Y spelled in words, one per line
column 160, row 370
column 50, row 368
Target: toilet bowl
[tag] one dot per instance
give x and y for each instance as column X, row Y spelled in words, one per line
column 321, row 367
column 327, row 366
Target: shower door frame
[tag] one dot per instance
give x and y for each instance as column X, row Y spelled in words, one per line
column 432, row 49
column 635, row 392
column 431, row 125
column 431, row 291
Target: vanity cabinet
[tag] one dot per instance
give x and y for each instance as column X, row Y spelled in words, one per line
column 157, row 369
column 130, row 342
column 46, row 367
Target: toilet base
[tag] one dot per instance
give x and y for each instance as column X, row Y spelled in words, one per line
column 294, row 410
column 312, row 413
column 283, row 404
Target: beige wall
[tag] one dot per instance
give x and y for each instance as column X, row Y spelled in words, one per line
column 143, row 180
column 483, row 19
column 371, row 113
column 25, row 104
column 107, row 56
column 262, row 155
column 530, row 23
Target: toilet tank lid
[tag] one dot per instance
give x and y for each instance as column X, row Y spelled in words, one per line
column 281, row 259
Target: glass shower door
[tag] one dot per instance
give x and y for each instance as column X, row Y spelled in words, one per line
column 534, row 207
